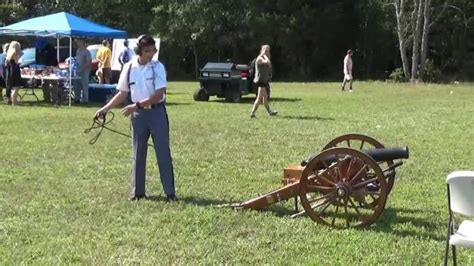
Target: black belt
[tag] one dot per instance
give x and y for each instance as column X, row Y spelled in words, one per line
column 154, row 105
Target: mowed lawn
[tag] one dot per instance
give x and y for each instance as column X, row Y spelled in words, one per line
column 65, row 201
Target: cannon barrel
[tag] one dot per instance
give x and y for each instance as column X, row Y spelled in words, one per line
column 379, row 155
column 388, row 154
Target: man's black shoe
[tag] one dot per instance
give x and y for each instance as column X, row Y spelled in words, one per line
column 171, row 198
column 138, row 197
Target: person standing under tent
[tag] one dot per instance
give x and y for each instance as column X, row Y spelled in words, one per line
column 104, row 56
column 125, row 55
column 3, row 57
column 13, row 73
column 84, row 64
column 145, row 79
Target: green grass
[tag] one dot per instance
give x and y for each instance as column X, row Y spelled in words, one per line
column 65, row 201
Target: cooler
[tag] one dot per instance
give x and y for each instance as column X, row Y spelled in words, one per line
column 101, row 92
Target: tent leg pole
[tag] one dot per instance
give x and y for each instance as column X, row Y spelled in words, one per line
column 70, row 68
column 57, row 48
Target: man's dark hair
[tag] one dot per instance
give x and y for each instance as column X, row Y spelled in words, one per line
column 146, row 41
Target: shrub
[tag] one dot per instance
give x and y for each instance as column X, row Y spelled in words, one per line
column 432, row 72
column 397, row 76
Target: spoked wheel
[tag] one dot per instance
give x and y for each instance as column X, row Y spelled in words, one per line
column 362, row 142
column 336, row 188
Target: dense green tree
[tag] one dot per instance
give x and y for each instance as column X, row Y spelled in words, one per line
column 308, row 38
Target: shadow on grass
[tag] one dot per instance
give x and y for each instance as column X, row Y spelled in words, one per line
column 170, row 91
column 190, row 200
column 86, row 105
column 387, row 222
column 251, row 100
column 39, row 104
column 304, row 117
column 395, row 216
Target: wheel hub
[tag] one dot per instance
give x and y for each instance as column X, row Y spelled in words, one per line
column 343, row 190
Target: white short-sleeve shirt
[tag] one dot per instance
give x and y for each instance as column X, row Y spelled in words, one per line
column 347, row 65
column 142, row 80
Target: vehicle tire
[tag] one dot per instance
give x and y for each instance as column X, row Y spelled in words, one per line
column 233, row 95
column 201, row 95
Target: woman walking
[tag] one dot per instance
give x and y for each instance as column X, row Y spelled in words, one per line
column 13, row 74
column 263, row 75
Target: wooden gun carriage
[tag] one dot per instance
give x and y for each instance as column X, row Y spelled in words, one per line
column 346, row 185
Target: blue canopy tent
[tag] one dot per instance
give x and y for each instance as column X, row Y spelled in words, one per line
column 60, row 25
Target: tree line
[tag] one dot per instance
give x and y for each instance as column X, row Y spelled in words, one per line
column 429, row 40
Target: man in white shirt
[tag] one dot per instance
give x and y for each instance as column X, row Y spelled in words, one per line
column 347, row 70
column 145, row 80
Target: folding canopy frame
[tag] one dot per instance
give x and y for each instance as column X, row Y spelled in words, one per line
column 60, row 25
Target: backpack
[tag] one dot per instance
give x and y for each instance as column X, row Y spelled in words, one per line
column 125, row 56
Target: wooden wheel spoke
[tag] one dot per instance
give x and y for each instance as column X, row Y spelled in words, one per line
column 358, row 175
column 325, row 179
column 326, row 196
column 364, row 183
column 339, row 174
column 351, row 162
column 367, row 205
column 348, row 143
column 328, row 203
column 362, row 144
column 347, row 214
column 374, row 198
column 319, row 188
column 329, row 168
column 312, row 177
column 335, row 214
column 354, row 206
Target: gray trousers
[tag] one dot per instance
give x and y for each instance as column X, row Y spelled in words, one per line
column 81, row 85
column 154, row 122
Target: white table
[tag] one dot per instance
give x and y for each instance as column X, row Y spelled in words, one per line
column 33, row 78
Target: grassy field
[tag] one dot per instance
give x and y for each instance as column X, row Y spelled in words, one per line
column 65, row 201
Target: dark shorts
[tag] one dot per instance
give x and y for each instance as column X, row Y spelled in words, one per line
column 263, row 84
column 107, row 72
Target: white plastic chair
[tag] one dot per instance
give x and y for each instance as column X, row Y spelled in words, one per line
column 460, row 186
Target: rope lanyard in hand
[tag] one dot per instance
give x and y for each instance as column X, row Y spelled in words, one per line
column 101, row 124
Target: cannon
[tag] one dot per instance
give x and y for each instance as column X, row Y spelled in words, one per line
column 345, row 185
